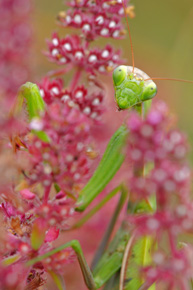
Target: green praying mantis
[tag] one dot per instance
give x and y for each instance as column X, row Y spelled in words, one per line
column 107, row 263
column 133, row 88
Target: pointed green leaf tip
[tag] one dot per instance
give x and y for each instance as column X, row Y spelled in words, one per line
column 108, row 166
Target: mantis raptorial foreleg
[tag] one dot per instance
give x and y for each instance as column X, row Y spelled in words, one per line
column 74, row 244
column 110, row 163
column 106, row 237
column 96, row 208
column 108, row 265
column 30, row 96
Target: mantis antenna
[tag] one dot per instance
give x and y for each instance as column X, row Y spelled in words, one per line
column 169, row 79
column 132, row 53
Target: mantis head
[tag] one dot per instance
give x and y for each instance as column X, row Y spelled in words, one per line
column 119, row 74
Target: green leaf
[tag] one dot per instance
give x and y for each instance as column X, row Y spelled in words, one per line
column 108, row 166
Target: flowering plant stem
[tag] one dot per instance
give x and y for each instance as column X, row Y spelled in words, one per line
column 142, row 247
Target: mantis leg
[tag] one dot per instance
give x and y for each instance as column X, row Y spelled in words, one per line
column 110, row 228
column 95, row 209
column 108, row 265
column 75, row 245
column 35, row 106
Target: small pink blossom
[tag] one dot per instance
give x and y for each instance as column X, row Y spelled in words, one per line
column 27, row 194
column 52, row 234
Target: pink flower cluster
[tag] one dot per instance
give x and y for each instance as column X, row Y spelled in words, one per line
column 15, row 35
column 99, row 18
column 154, row 144
column 70, row 51
column 32, row 227
column 91, row 105
column 95, row 19
column 176, row 270
column 64, row 160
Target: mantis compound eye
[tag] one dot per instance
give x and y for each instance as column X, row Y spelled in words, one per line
column 150, row 90
column 119, row 74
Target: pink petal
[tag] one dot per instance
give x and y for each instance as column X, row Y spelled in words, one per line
column 27, row 194
column 52, row 234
